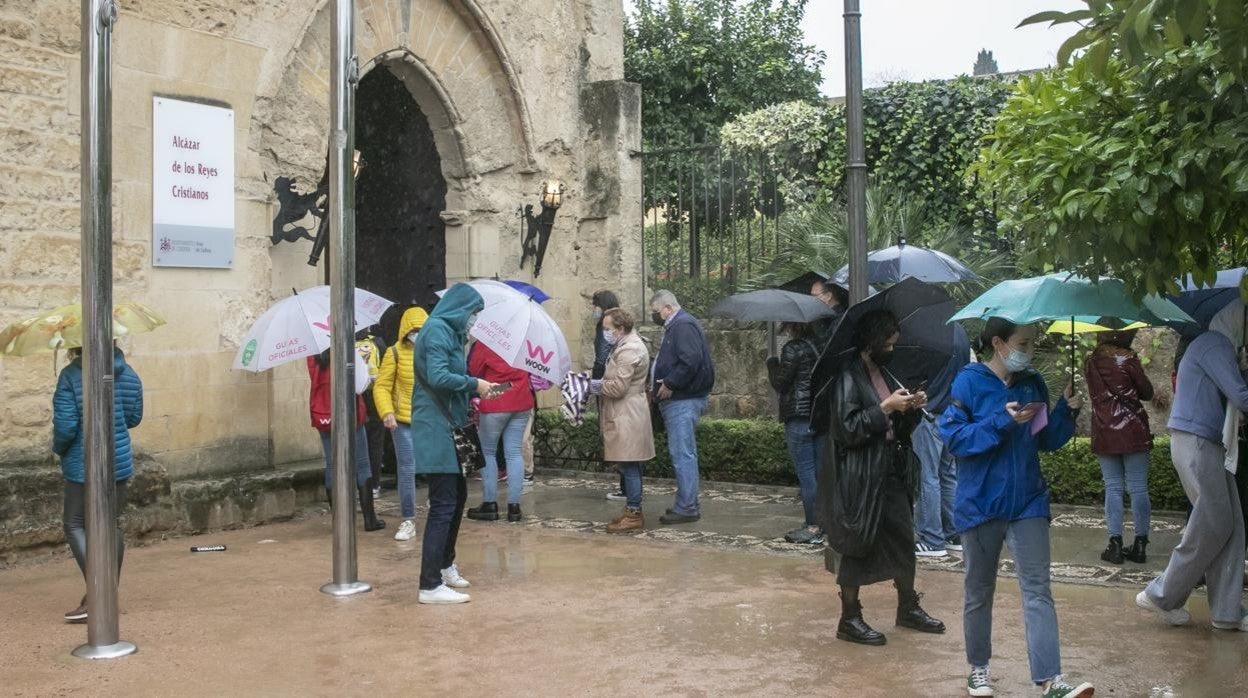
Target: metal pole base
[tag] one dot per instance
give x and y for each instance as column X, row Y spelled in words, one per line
column 114, row 651
column 348, row 589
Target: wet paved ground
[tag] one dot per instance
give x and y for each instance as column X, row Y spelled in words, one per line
column 559, row 609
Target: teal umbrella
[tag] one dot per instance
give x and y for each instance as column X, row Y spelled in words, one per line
column 1063, row 296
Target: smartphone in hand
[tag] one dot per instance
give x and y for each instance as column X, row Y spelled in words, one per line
column 498, row 390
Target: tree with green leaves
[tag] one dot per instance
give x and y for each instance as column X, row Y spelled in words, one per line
column 1132, row 159
column 985, row 64
column 702, row 62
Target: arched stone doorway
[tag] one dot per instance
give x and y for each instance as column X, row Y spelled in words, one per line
column 400, row 237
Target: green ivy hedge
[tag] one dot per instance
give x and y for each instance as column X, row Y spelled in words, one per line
column 754, row 452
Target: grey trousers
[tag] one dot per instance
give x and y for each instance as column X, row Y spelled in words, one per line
column 74, row 520
column 1213, row 543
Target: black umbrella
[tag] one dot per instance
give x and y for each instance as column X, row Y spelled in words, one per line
column 772, row 305
column 926, row 343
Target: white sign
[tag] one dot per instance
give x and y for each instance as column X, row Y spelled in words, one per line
column 192, row 184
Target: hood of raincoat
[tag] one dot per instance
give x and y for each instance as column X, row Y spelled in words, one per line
column 459, row 303
column 413, row 319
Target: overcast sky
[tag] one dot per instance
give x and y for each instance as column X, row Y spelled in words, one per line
column 923, row 39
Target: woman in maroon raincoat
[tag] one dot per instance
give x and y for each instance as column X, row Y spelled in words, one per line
column 1121, row 437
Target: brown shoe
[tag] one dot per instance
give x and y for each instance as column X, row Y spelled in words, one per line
column 631, row 520
column 78, row 615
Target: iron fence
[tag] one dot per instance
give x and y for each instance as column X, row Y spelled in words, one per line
column 710, row 214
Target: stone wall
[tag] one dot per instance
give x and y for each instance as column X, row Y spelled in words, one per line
column 515, row 93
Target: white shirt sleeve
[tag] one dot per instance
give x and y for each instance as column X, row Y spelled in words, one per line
column 362, row 379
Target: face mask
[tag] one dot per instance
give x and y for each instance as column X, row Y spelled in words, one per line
column 882, row 357
column 472, row 321
column 1017, row 361
column 597, row 313
column 608, row 336
column 411, row 336
column 656, row 317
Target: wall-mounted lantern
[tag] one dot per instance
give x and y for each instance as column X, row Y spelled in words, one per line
column 537, row 228
column 293, row 208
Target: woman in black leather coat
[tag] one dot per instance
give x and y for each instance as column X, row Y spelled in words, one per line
column 869, row 512
column 790, row 376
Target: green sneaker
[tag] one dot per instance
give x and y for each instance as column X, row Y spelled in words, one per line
column 1059, row 687
column 977, row 683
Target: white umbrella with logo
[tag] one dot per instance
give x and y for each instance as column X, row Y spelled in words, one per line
column 519, row 330
column 298, row 327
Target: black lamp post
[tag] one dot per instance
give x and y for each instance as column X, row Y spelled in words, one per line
column 538, row 228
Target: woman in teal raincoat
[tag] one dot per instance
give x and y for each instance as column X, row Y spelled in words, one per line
column 442, row 388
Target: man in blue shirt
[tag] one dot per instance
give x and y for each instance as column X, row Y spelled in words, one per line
column 934, row 532
column 681, row 380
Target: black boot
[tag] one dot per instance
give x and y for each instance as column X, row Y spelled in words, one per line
column 513, row 513
column 1137, row 552
column 911, row 615
column 371, row 522
column 1113, row 551
column 488, row 511
column 853, row 628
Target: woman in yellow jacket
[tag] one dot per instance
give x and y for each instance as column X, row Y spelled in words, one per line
column 392, row 393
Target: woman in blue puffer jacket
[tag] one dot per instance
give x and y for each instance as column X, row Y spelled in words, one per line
column 67, row 444
column 997, row 422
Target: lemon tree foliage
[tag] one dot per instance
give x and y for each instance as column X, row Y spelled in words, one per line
column 1132, row 161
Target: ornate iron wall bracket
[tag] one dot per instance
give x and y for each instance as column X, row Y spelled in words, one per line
column 537, row 229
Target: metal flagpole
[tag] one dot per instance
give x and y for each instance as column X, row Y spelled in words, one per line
column 103, row 636
column 343, row 76
column 856, row 158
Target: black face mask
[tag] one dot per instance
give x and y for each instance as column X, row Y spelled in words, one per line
column 881, row 357
column 656, row 318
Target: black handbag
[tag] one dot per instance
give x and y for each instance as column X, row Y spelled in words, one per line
column 467, row 442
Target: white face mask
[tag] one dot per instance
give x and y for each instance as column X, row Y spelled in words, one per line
column 472, row 321
column 597, row 313
column 411, row 336
column 609, row 336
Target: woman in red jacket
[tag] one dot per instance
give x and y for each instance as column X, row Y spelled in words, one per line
column 320, row 408
column 505, row 416
column 1121, row 437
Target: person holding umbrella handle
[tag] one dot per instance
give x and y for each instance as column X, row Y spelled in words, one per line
column 869, row 518
column 997, row 422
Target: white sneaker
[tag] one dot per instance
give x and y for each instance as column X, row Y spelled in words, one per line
column 407, row 531
column 452, row 578
column 924, row 550
column 1178, row 616
column 617, row 496
column 1241, row 625
column 443, row 595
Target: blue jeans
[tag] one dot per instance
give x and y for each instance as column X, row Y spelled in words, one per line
column 1133, row 467
column 406, row 461
column 680, row 417
column 630, row 475
column 447, row 494
column 938, row 479
column 805, row 448
column 363, row 471
column 510, row 426
column 1029, row 542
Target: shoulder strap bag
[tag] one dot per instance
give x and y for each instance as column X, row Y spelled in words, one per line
column 467, row 442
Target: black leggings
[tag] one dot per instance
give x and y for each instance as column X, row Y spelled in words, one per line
column 74, row 520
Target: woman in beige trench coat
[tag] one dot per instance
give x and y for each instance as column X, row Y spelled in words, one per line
column 627, row 438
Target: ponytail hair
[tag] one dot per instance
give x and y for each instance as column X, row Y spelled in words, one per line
column 996, row 328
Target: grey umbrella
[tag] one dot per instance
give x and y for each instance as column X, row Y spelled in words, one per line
column 772, row 305
column 901, row 261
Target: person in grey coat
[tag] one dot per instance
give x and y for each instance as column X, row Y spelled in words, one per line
column 1210, row 396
